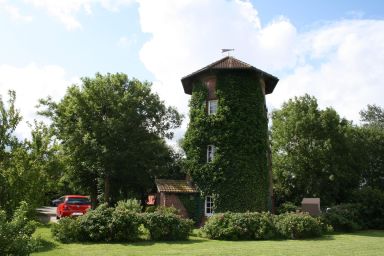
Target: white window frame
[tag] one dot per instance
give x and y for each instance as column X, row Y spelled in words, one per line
column 212, row 107
column 208, row 206
column 211, row 150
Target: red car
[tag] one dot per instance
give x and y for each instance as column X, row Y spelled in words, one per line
column 72, row 205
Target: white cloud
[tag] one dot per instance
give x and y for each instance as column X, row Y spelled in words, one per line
column 14, row 12
column 31, row 83
column 66, row 11
column 341, row 65
column 125, row 41
column 187, row 35
column 115, row 5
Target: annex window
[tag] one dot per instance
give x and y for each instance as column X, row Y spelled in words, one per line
column 208, row 209
column 212, row 107
column 210, row 153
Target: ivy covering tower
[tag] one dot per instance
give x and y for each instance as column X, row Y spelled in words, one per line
column 226, row 142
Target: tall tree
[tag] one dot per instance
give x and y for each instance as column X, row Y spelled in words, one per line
column 373, row 116
column 312, row 153
column 25, row 166
column 371, row 144
column 113, row 132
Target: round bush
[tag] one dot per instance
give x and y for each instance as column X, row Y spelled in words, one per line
column 344, row 217
column 124, row 225
column 240, row 226
column 94, row 226
column 298, row 225
column 372, row 207
column 167, row 226
column 67, row 230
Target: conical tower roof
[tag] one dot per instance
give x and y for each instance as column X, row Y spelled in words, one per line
column 229, row 63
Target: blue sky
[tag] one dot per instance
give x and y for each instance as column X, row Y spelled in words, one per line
column 333, row 50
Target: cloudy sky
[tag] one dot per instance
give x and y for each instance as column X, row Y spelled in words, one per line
column 333, row 50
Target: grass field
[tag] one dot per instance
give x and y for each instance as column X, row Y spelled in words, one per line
column 359, row 243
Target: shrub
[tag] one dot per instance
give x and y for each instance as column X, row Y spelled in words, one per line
column 16, row 234
column 151, row 208
column 67, row 230
column 287, row 207
column 344, row 217
column 167, row 210
column 94, row 226
column 240, row 226
column 124, row 225
column 296, row 226
column 130, row 205
column 372, row 207
column 167, row 226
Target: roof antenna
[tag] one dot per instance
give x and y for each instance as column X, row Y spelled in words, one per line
column 227, row 51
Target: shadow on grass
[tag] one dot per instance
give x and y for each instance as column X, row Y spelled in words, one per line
column 186, row 242
column 45, row 245
column 368, row 233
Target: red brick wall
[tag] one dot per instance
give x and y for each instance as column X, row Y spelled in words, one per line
column 168, row 200
column 210, row 82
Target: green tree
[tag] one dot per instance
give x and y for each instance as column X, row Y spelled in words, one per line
column 373, row 116
column 113, row 130
column 313, row 153
column 9, row 119
column 370, row 142
column 26, row 166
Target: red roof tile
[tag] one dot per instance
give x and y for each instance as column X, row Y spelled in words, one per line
column 229, row 62
column 174, row 186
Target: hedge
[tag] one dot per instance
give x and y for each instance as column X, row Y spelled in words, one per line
column 262, row 226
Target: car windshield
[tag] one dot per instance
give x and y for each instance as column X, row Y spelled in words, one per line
column 78, row 200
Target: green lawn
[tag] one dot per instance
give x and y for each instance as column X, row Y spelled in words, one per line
column 359, row 243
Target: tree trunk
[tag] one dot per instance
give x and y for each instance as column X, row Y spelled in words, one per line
column 107, row 189
column 94, row 194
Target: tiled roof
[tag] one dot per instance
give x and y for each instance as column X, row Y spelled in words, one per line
column 174, row 186
column 229, row 62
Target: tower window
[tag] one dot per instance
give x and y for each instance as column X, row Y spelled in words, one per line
column 208, row 209
column 210, row 153
column 212, row 107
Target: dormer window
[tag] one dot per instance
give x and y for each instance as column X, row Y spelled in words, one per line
column 212, row 107
column 210, row 153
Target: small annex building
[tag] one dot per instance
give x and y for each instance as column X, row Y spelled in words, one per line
column 180, row 194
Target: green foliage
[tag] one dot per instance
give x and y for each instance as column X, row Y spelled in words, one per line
column 298, row 226
column 239, row 132
column 167, row 210
column 122, row 224
column 95, row 225
column 101, row 123
column 314, row 153
column 194, row 205
column 16, row 234
column 344, row 217
column 287, row 207
column 129, row 205
column 67, row 230
column 125, row 224
column 25, row 166
column 373, row 116
column 240, row 226
column 372, row 207
column 369, row 141
column 165, row 226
